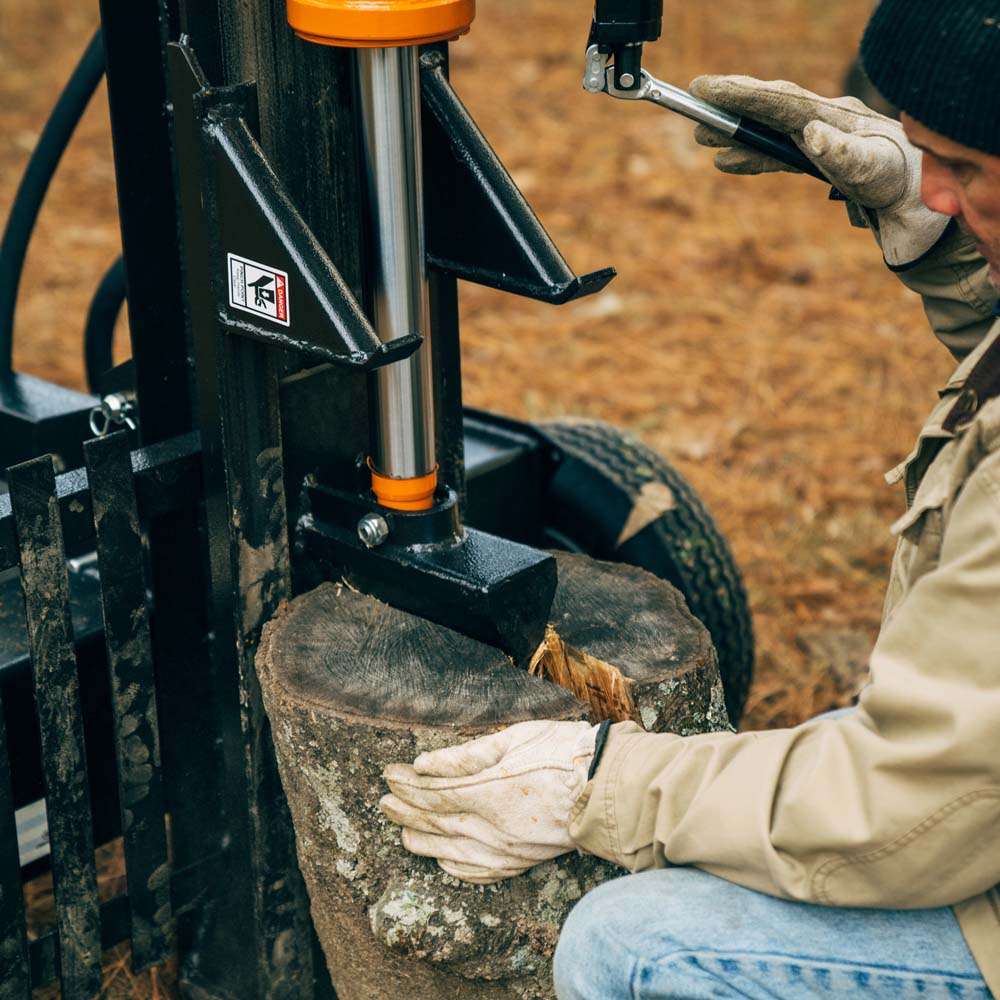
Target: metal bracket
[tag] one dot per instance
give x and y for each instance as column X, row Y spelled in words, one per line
column 271, row 279
column 493, row 238
column 490, row 588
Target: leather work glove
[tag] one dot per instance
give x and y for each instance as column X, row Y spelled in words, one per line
column 493, row 807
column 864, row 154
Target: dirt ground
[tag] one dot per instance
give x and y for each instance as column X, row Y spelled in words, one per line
column 752, row 336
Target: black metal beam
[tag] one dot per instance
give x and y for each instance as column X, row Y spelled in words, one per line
column 57, row 699
column 308, row 129
column 134, row 47
column 260, row 946
column 252, row 219
column 133, row 695
column 493, row 589
column 479, row 227
column 15, row 983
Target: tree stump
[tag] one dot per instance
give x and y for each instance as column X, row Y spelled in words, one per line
column 351, row 685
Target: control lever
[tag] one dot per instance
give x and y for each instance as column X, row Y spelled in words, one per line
column 614, row 67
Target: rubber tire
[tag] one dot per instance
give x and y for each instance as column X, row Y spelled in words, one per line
column 599, row 473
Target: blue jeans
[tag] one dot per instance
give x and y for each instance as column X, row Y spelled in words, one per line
column 680, row 934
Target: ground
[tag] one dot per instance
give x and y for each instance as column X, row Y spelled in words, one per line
column 752, row 336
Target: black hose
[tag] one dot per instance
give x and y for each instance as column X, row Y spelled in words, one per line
column 35, row 182
column 99, row 334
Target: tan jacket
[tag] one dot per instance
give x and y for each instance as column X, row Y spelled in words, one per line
column 896, row 805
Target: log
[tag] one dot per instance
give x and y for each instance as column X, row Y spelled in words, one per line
column 351, row 685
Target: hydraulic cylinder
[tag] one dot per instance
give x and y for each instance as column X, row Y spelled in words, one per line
column 386, row 35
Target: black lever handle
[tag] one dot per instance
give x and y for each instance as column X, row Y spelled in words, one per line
column 767, row 140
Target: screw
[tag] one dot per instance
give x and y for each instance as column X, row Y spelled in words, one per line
column 627, row 79
column 372, row 530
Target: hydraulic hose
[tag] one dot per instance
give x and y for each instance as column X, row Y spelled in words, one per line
column 35, row 182
column 99, row 334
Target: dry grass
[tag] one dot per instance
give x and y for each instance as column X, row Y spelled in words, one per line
column 120, row 982
column 751, row 337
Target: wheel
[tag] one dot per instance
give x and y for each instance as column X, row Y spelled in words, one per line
column 613, row 498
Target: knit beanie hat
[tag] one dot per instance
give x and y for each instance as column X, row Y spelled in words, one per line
column 939, row 61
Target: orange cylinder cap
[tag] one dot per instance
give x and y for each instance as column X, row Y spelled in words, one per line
column 380, row 23
column 404, row 494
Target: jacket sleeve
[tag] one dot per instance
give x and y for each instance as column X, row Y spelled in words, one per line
column 896, row 804
column 958, row 297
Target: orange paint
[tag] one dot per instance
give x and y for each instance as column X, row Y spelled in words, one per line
column 404, row 494
column 380, row 23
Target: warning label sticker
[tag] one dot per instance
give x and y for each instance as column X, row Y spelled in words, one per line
column 258, row 289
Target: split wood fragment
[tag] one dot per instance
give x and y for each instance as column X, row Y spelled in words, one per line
column 602, row 686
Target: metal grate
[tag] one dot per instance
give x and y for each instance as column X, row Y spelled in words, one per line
column 83, row 926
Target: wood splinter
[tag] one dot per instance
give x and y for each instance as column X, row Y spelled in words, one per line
column 602, row 686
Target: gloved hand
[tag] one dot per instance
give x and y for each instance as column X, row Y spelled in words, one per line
column 864, row 154
column 494, row 807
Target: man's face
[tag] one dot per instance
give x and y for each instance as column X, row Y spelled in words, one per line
column 964, row 183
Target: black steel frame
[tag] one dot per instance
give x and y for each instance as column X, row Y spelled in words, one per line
column 146, row 721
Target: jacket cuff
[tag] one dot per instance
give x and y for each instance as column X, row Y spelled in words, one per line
column 592, row 822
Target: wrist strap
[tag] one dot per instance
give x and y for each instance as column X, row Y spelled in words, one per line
column 599, row 744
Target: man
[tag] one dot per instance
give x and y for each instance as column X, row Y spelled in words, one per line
column 855, row 855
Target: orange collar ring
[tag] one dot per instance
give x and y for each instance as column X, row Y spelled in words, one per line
column 363, row 24
column 404, row 494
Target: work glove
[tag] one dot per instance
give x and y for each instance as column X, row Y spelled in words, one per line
column 494, row 807
column 865, row 155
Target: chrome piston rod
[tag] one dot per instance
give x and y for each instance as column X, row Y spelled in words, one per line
column 403, row 444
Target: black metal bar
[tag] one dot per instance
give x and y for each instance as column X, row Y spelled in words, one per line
column 257, row 222
column 167, row 479
column 35, row 182
column 443, row 300
column 479, row 227
column 443, row 294
column 248, row 542
column 133, row 695
column 262, row 945
column 490, row 588
column 15, row 980
column 137, row 97
column 99, row 331
column 57, row 700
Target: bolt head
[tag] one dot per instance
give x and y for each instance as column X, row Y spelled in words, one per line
column 627, row 79
column 373, row 530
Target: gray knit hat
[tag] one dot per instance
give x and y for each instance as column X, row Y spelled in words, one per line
column 939, row 61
